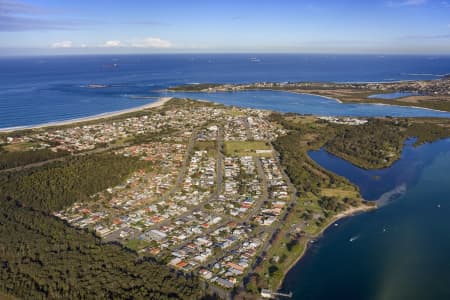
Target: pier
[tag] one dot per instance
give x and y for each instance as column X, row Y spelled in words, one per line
column 268, row 294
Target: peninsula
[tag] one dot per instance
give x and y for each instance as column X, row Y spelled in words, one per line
column 432, row 94
column 185, row 199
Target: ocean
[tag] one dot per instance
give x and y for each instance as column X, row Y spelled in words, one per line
column 36, row 90
column 400, row 251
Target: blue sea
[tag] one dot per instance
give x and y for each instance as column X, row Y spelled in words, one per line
column 37, row 90
column 399, row 251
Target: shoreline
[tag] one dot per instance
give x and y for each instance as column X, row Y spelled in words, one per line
column 345, row 214
column 160, row 102
column 255, row 89
column 326, row 97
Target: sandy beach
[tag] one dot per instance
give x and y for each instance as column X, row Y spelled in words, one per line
column 161, row 101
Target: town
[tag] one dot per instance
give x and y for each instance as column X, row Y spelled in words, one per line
column 205, row 202
column 209, row 198
column 440, row 86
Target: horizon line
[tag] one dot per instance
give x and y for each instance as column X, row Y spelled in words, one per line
column 13, row 55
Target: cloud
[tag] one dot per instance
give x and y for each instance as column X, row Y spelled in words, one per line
column 146, row 43
column 427, row 37
column 406, row 3
column 16, row 7
column 152, row 23
column 151, row 42
column 112, row 44
column 62, row 44
column 21, row 16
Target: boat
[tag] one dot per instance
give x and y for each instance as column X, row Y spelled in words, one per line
column 353, row 238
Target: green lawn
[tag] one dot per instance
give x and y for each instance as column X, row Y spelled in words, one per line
column 20, row 146
column 245, row 148
column 136, row 245
column 210, row 146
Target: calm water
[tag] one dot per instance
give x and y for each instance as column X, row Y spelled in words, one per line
column 309, row 104
column 400, row 251
column 44, row 89
column 393, row 95
column 375, row 183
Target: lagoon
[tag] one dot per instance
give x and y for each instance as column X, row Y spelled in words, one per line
column 307, row 104
column 399, row 251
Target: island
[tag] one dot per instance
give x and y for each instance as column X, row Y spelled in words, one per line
column 188, row 199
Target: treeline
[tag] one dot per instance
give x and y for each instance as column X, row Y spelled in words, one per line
column 41, row 257
column 194, row 87
column 304, row 173
column 15, row 159
column 379, row 143
column 429, row 130
column 376, row 144
column 55, row 186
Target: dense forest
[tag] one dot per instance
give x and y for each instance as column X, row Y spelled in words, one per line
column 379, row 143
column 41, row 257
column 15, row 159
column 304, row 173
column 308, row 177
column 374, row 145
column 55, row 186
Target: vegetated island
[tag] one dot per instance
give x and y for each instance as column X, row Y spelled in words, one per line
column 432, row 94
column 186, row 200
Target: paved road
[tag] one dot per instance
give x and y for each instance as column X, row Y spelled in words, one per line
column 213, row 196
column 177, row 184
column 183, row 168
column 292, row 202
column 219, row 166
column 62, row 158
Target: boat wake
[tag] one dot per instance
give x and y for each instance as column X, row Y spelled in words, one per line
column 392, row 195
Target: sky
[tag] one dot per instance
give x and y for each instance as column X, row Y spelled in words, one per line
column 178, row 26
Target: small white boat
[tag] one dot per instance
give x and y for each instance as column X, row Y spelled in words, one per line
column 353, row 238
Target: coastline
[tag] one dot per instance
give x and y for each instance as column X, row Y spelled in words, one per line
column 368, row 103
column 255, row 89
column 419, row 107
column 318, row 95
column 345, row 214
column 160, row 102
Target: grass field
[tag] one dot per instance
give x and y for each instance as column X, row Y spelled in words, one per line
column 246, row 148
column 19, row 147
column 340, row 193
column 210, row 146
column 136, row 245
